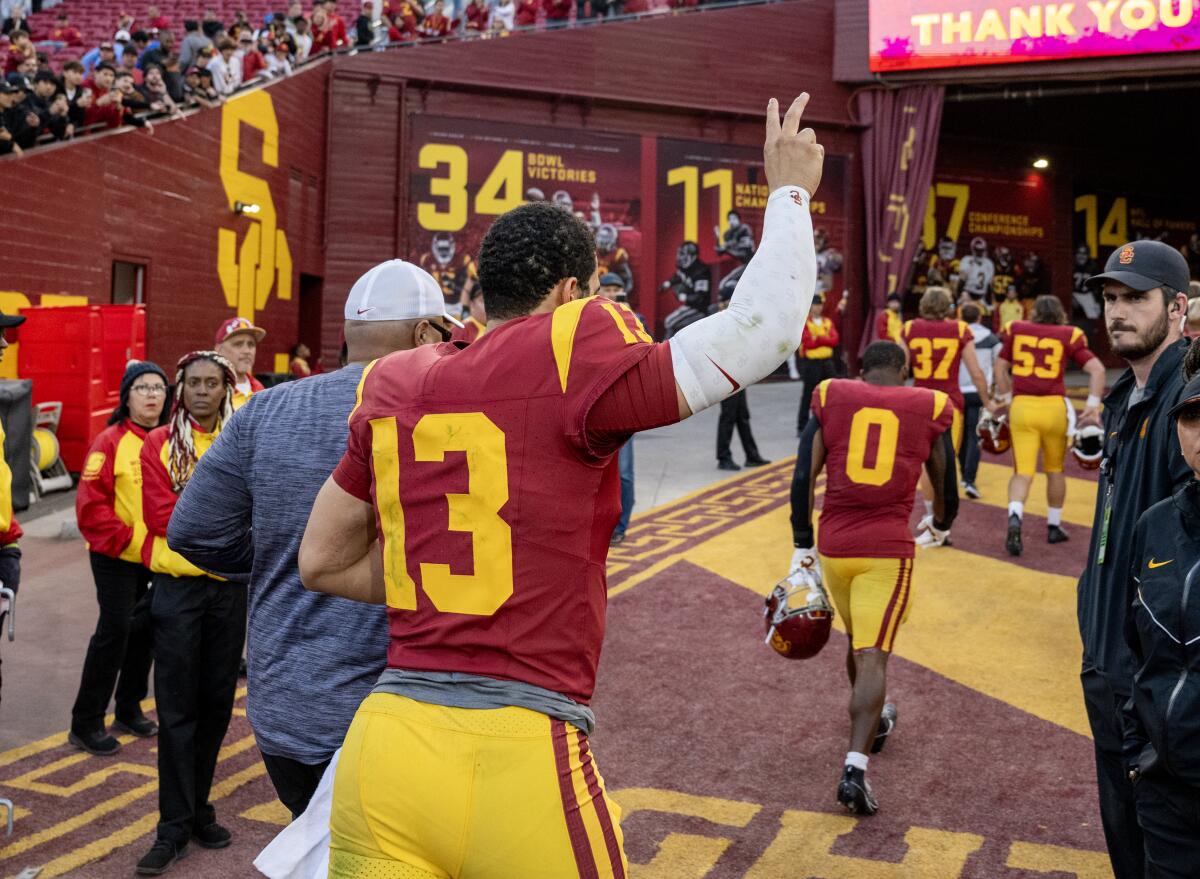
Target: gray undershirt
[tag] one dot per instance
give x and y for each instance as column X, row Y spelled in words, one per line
column 458, row 690
column 1135, row 397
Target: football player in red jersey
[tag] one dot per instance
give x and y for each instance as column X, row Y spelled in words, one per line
column 476, row 500
column 872, row 439
column 937, row 344
column 1031, row 364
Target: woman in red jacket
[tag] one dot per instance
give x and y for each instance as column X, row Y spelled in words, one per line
column 199, row 619
column 108, row 508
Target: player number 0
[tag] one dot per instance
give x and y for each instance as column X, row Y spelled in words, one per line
column 476, row 512
column 888, row 426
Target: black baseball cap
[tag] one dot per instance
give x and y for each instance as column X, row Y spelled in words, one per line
column 45, row 76
column 1144, row 265
column 10, row 320
column 7, row 88
column 1190, row 397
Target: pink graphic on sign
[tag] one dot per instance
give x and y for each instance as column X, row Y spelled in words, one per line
column 923, row 34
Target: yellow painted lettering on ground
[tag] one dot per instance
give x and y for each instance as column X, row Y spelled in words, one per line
column 31, row 781
column 802, row 849
column 272, row 812
column 1001, row 629
column 1056, row 859
column 684, row 855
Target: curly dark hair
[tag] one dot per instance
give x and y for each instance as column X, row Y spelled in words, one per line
column 883, row 355
column 529, row 250
column 1191, row 360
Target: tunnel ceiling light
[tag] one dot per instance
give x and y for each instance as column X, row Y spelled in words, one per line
column 1041, row 163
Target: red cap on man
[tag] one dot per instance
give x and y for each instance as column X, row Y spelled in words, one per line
column 236, row 325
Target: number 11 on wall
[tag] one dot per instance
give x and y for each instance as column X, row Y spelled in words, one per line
column 688, row 176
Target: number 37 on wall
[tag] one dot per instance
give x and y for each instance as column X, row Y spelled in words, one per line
column 502, row 191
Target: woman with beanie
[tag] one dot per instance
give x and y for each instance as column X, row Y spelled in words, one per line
column 108, row 507
column 199, row 620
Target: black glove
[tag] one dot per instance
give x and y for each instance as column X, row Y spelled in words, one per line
column 10, row 567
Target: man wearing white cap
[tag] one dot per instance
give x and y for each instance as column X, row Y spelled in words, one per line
column 242, row 516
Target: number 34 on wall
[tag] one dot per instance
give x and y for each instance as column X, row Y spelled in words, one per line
column 502, row 191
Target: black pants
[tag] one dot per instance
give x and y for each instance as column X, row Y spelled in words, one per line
column 812, row 373
column 1118, row 811
column 1169, row 813
column 968, row 451
column 294, row 782
column 735, row 412
column 121, row 649
column 199, row 624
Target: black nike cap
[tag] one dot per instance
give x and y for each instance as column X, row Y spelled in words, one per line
column 1144, row 265
column 1188, row 399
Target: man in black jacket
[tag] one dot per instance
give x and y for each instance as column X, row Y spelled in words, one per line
column 1143, row 310
column 1162, row 719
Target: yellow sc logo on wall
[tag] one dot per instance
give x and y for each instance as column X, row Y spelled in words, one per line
column 263, row 260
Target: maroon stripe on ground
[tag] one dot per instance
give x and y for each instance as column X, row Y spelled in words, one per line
column 598, row 799
column 575, row 829
column 903, row 605
column 887, row 615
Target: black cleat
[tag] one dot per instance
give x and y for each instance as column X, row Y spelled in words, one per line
column 727, row 464
column 160, row 858
column 141, row 726
column 98, row 744
column 617, row 538
column 1055, row 534
column 971, row 491
column 1013, row 542
column 212, row 836
column 757, row 462
column 855, row 793
column 887, row 723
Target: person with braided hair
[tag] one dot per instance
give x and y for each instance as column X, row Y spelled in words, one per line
column 199, row 620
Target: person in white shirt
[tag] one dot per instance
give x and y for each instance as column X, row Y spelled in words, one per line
column 278, row 61
column 502, row 16
column 987, row 345
column 226, row 70
column 303, row 41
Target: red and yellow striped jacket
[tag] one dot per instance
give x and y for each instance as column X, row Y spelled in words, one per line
column 108, row 505
column 158, row 502
column 10, row 531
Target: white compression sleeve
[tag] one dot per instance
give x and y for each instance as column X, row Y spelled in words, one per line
column 732, row 349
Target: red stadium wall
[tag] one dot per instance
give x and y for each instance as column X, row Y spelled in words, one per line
column 339, row 183
column 159, row 200
column 651, row 79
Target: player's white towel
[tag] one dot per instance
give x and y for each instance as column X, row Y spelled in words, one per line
column 301, row 850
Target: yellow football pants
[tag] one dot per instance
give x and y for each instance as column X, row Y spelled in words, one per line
column 1038, row 423
column 426, row 791
column 872, row 596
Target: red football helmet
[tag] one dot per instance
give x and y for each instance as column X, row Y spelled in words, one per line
column 1088, row 448
column 798, row 615
column 993, row 432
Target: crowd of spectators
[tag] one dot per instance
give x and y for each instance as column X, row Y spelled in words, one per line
column 149, row 70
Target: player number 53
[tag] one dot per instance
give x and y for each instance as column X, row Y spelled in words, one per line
column 477, row 512
column 1029, row 350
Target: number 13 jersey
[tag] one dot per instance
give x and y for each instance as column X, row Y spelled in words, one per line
column 493, row 500
column 877, row 438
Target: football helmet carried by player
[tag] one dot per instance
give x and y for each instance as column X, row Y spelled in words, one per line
column 443, row 248
column 798, row 615
column 1088, row 448
column 606, row 238
column 993, row 432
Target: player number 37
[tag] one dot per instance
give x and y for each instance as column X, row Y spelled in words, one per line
column 476, row 512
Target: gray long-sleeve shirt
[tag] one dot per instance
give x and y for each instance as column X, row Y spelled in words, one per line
column 312, row 658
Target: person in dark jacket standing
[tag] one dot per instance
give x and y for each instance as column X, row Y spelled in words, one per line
column 108, row 508
column 735, row 411
column 1162, row 718
column 1144, row 308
